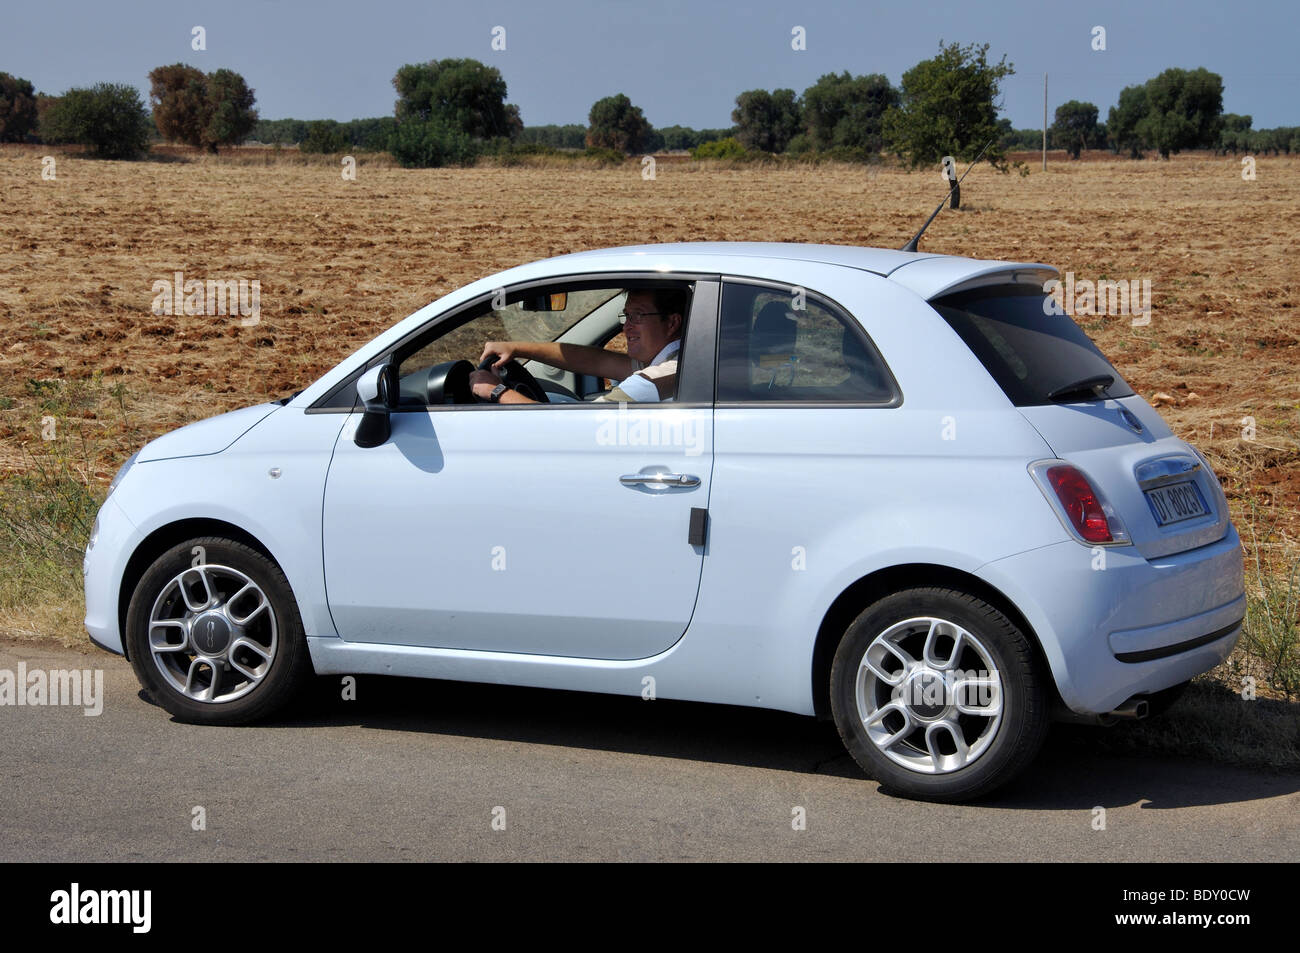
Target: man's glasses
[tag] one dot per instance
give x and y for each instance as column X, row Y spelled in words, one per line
column 625, row 318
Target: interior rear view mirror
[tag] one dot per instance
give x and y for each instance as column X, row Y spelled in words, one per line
column 549, row 302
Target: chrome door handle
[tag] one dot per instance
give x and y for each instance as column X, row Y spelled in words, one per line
column 659, row 479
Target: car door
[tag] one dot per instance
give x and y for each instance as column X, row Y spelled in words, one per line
column 552, row 529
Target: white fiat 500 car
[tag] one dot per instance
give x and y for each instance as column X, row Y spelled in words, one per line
column 885, row 487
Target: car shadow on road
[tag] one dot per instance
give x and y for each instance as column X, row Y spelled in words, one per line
column 1073, row 772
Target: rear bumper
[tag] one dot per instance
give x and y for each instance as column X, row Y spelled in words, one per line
column 1155, row 642
column 1113, row 624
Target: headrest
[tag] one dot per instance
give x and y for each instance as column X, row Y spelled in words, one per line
column 772, row 340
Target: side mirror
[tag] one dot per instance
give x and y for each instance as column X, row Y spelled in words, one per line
column 377, row 388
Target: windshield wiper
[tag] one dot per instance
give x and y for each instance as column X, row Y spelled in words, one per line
column 1087, row 387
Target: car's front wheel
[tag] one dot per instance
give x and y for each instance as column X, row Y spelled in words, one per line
column 938, row 695
column 215, row 635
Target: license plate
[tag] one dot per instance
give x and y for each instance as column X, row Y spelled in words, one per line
column 1176, row 502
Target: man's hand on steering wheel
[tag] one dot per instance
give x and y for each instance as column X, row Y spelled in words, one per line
column 500, row 351
column 482, row 383
column 523, row 387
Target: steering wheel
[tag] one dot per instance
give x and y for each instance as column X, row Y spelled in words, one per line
column 517, row 377
column 445, row 383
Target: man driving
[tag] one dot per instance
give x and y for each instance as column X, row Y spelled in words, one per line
column 652, row 323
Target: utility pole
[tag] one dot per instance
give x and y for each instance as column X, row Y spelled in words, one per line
column 1044, row 122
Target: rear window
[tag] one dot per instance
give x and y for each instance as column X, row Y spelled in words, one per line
column 1028, row 352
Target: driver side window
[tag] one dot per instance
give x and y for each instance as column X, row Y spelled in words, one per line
column 584, row 316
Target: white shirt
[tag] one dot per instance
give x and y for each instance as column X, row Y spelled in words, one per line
column 640, row 386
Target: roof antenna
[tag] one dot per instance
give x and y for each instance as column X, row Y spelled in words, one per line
column 911, row 246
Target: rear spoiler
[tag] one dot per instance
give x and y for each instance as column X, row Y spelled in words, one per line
column 935, row 277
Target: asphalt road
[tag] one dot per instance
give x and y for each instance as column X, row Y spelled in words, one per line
column 413, row 770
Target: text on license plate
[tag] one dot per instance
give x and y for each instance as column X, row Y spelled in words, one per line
column 1176, row 502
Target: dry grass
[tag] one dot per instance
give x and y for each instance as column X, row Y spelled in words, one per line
column 339, row 261
column 1210, row 722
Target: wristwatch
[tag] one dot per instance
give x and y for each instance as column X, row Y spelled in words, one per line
column 497, row 391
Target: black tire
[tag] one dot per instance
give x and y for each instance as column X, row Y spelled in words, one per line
column 1002, row 745
column 228, row 566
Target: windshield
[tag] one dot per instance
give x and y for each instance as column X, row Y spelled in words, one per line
column 509, row 323
column 521, row 325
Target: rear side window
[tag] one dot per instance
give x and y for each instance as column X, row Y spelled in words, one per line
column 1029, row 352
column 775, row 347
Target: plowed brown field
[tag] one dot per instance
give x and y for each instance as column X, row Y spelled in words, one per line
column 338, row 261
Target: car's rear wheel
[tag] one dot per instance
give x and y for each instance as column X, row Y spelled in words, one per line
column 215, row 635
column 938, row 695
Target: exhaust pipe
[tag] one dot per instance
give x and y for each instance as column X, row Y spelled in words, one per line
column 1135, row 709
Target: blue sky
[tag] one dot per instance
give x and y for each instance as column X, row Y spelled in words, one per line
column 682, row 62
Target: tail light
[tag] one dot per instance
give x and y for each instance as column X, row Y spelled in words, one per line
column 1079, row 504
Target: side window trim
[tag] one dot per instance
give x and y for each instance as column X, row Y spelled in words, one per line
column 699, row 347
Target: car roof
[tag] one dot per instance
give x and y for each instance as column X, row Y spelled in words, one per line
column 879, row 260
column 925, row 273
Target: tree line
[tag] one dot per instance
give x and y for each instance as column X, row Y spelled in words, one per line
column 451, row 111
column 1177, row 110
column 205, row 110
column 945, row 105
